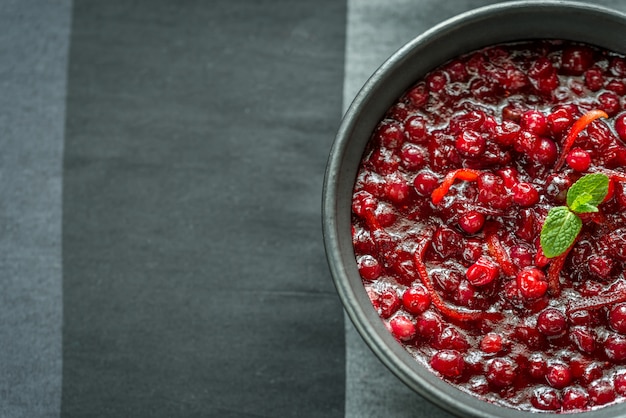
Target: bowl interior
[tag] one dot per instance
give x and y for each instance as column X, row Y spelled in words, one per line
column 505, row 22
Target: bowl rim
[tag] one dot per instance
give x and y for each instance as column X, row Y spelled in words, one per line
column 340, row 169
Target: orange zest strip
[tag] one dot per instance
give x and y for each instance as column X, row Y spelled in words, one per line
column 554, row 273
column 575, row 130
column 497, row 251
column 450, row 312
column 465, row 174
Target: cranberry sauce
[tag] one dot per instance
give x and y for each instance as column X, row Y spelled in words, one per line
column 459, row 277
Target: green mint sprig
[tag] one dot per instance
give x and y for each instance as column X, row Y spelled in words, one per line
column 562, row 224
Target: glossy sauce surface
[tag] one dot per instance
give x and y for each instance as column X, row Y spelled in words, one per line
column 463, row 283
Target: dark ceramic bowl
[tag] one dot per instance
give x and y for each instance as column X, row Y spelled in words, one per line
column 490, row 25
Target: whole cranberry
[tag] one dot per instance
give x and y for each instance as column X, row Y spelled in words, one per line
column 583, row 338
column 472, row 221
column 412, row 156
column 617, row 318
column 594, row 79
column 575, row 398
column 521, row 255
column 429, row 325
column 559, row 375
column 601, row 392
column 610, row 103
column 546, row 399
column 537, row 366
column 447, row 241
column 369, row 267
column 535, row 122
column 482, row 272
column 619, row 383
column 402, row 327
column 425, row 182
column 551, row 322
column 560, row 120
column 532, row 283
column 396, row 188
column 451, row 338
column 390, row 134
column 418, row 95
column 578, row 159
column 491, row 343
column 416, row 299
column 525, row 194
column 449, row 363
column 576, row 59
column 501, row 372
column 389, row 302
column 416, row 129
column 470, row 144
column 545, row 151
column 615, row 347
column 506, row 134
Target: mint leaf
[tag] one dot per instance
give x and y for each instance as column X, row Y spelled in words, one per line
column 581, row 203
column 587, row 193
column 559, row 231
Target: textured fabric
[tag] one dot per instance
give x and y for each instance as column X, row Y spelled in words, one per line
column 33, row 66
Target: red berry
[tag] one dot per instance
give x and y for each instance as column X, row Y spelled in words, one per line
column 390, row 134
column 416, row 299
column 472, row 222
column 429, row 325
column 546, row 399
column 575, row 398
column 402, row 327
column 470, row 144
column 535, row 122
column 551, row 322
column 389, row 302
column 413, row 157
column 617, row 318
column 425, row 182
column 619, row 383
column 532, row 283
column 576, row 59
column 396, row 188
column 501, row 372
column 578, row 159
column 418, row 95
column 451, row 338
column 369, row 268
column 558, row 375
column 615, row 347
column 449, row 363
column 594, row 80
column 491, row 343
column 482, row 272
column 415, row 128
column 601, row 392
column 560, row 120
column 525, row 194
column 583, row 338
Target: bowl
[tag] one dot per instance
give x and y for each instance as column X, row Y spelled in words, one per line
column 504, row 22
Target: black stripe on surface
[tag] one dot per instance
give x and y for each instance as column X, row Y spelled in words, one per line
column 195, row 282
